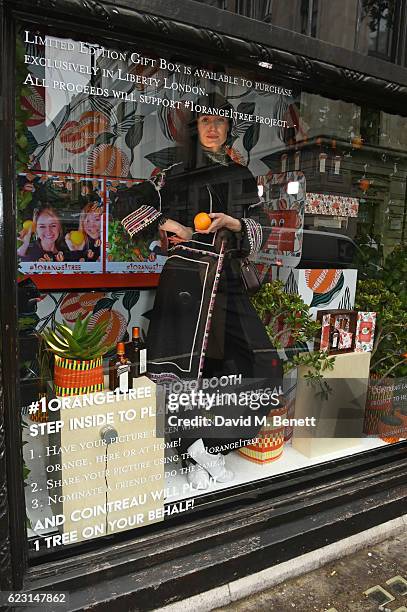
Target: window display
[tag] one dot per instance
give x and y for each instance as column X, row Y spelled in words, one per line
column 195, row 248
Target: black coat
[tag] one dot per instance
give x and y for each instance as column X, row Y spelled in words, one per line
column 201, row 310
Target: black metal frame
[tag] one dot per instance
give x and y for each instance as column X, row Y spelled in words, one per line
column 244, row 529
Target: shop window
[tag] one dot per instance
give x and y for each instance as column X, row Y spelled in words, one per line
column 221, row 4
column 370, row 125
column 255, row 9
column 309, row 17
column 381, row 22
column 128, row 159
column 260, row 9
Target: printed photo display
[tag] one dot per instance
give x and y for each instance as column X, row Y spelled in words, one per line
column 144, row 253
column 61, row 228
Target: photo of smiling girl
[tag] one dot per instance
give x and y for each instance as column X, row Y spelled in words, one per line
column 49, row 244
column 85, row 242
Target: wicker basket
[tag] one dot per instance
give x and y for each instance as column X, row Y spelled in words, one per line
column 77, row 377
column 270, row 441
column 390, row 428
column 378, row 404
column 402, row 414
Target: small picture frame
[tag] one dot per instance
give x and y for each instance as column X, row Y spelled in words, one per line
column 338, row 331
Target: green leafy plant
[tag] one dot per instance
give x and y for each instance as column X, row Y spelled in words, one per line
column 394, row 273
column 275, row 306
column 79, row 342
column 317, row 363
column 123, row 249
column 369, row 257
column 389, row 354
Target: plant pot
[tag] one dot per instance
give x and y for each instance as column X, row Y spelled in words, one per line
column 270, row 441
column 378, row 404
column 77, row 376
column 402, row 414
column 389, row 428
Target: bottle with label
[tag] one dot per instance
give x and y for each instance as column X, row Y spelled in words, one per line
column 334, row 340
column 119, row 371
column 137, row 354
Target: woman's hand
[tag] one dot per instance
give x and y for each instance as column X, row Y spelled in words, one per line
column 71, row 245
column 182, row 233
column 25, row 236
column 220, row 221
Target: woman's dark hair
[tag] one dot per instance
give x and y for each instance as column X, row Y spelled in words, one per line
column 191, row 146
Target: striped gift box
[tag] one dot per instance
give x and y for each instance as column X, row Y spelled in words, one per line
column 270, row 444
column 78, row 377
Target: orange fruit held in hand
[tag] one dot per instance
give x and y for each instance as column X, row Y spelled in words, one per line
column 77, row 237
column 202, row 221
column 28, row 225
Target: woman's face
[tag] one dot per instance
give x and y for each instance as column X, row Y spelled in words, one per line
column 91, row 225
column 212, row 131
column 48, row 228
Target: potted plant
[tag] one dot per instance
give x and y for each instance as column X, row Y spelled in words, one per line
column 78, row 356
column 290, row 327
column 386, row 297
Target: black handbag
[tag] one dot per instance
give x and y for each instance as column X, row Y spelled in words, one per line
column 250, row 276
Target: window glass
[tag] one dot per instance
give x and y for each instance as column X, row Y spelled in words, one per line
column 367, row 26
column 211, row 282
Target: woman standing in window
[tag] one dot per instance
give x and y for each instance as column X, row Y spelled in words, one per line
column 203, row 324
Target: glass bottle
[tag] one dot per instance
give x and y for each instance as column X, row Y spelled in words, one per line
column 334, row 338
column 119, row 371
column 137, row 354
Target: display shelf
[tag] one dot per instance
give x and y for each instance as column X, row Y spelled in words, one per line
column 49, row 282
column 246, row 471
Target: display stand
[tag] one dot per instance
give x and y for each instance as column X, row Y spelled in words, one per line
column 116, row 457
column 341, row 412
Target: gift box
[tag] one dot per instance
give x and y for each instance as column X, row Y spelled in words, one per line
column 365, row 328
column 338, row 331
column 270, row 444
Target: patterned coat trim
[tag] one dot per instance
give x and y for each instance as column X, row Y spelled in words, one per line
column 164, row 377
column 139, row 219
column 210, row 310
column 254, row 233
